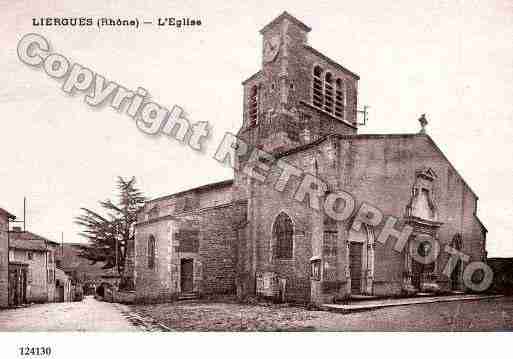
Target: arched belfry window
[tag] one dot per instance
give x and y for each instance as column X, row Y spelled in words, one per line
column 340, row 98
column 253, row 105
column 318, row 87
column 151, row 252
column 283, row 231
column 328, row 93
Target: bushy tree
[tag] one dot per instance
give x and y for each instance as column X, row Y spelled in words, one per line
column 112, row 231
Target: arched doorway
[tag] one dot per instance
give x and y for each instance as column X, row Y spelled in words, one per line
column 456, row 273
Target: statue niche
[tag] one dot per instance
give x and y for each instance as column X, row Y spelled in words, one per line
column 422, row 215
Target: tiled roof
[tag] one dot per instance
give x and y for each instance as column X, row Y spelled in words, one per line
column 32, row 245
column 26, row 235
column 197, row 189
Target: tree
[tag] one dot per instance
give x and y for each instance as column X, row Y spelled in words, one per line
column 111, row 233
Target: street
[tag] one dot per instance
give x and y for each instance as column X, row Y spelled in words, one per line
column 228, row 315
column 88, row 315
column 478, row 315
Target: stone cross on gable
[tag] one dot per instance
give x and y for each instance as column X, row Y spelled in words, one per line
column 423, row 122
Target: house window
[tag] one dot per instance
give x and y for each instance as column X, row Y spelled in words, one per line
column 51, row 276
column 151, row 252
column 284, row 234
column 253, row 105
column 30, row 255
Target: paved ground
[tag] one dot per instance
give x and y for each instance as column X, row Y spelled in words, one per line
column 88, row 315
column 483, row 315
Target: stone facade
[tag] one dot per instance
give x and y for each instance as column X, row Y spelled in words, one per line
column 199, row 226
column 301, row 108
column 4, row 257
column 38, row 254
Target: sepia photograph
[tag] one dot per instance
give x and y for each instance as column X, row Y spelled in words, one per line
column 224, row 167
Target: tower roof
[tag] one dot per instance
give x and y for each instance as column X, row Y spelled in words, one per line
column 7, row 214
column 286, row 15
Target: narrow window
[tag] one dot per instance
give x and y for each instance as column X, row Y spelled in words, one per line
column 284, row 234
column 30, row 256
column 317, row 87
column 253, row 105
column 151, row 252
column 328, row 93
column 344, row 103
column 339, row 99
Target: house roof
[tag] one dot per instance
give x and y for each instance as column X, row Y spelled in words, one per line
column 26, row 235
column 32, row 245
column 7, row 214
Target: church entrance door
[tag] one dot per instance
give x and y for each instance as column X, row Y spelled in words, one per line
column 355, row 263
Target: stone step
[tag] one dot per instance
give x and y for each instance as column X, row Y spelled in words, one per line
column 354, row 306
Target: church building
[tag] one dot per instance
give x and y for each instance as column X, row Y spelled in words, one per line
column 244, row 237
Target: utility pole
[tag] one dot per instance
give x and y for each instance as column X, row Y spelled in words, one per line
column 116, row 245
column 24, row 214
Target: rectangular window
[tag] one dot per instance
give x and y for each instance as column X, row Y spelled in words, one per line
column 30, row 255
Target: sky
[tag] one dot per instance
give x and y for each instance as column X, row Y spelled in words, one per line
column 452, row 60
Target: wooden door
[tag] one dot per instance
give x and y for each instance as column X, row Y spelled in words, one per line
column 355, row 263
column 455, row 276
column 186, row 275
column 417, row 272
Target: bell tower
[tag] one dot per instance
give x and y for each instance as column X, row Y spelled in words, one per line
column 299, row 95
column 271, row 116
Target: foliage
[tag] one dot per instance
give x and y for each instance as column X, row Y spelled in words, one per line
column 109, row 234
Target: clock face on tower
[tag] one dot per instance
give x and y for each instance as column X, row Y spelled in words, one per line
column 271, row 48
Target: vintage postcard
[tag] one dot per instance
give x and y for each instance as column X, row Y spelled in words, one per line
column 195, row 166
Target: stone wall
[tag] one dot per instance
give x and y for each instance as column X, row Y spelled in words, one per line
column 380, row 170
column 154, row 284
column 208, row 235
column 4, row 261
